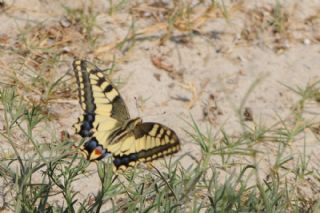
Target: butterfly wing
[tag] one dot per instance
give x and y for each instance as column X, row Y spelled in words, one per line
column 103, row 107
column 145, row 142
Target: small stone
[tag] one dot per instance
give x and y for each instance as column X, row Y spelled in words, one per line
column 147, row 14
column 306, row 41
column 66, row 50
column 65, row 22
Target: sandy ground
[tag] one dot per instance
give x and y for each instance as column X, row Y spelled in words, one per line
column 204, row 75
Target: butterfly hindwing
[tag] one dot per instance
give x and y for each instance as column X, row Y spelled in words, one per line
column 107, row 127
column 146, row 142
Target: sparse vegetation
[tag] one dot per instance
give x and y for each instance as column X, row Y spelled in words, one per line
column 262, row 166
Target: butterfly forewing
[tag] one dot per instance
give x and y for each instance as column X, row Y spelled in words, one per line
column 100, row 102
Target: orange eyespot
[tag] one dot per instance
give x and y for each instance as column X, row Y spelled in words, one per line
column 98, row 151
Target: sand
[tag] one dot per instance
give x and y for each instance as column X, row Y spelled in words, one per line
column 203, row 69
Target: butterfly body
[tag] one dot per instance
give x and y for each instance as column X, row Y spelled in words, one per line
column 107, row 127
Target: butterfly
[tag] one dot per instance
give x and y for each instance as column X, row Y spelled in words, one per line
column 106, row 125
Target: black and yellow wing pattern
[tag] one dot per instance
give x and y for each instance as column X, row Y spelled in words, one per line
column 106, row 125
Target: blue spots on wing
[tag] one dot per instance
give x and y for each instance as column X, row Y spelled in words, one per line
column 87, row 125
column 125, row 160
column 91, row 145
column 89, row 117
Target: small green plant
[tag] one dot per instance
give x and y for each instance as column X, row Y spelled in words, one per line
column 279, row 18
column 116, row 6
column 85, row 19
